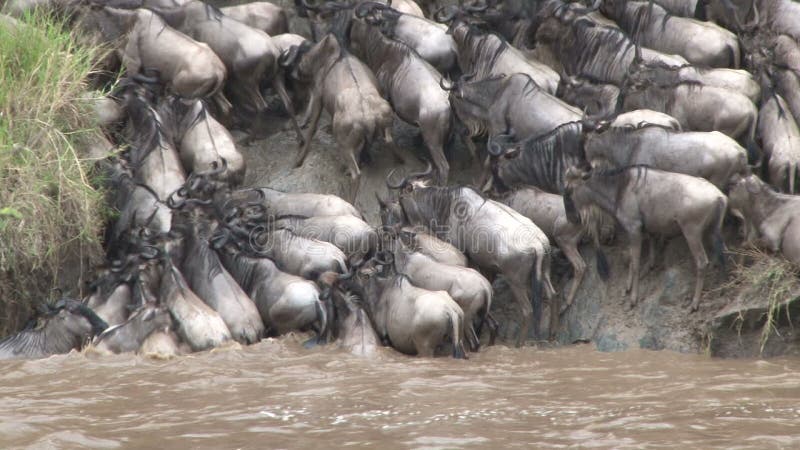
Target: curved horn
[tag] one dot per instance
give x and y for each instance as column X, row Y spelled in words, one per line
column 154, row 252
column 379, row 259
column 366, row 8
column 493, row 147
column 145, row 79
column 172, row 203
column 445, row 14
column 289, row 56
column 309, row 6
column 260, row 200
column 424, row 174
column 467, row 77
column 444, row 87
column 400, row 185
column 481, row 7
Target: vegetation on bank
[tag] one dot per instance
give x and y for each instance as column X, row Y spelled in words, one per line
column 50, row 214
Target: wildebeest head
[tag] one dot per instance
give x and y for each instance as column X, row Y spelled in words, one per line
column 108, row 24
column 73, row 313
column 742, row 191
column 291, row 59
column 328, row 17
column 471, row 100
column 573, row 178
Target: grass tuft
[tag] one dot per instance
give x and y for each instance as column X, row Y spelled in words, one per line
column 771, row 278
column 50, row 214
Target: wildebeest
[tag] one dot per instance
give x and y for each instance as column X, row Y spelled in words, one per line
column 780, row 141
column 638, row 117
column 739, row 81
column 413, row 87
column 335, row 16
column 59, row 329
column 137, row 204
column 111, row 295
column 547, row 211
column 129, row 336
column 354, row 331
column 264, row 16
column 598, row 52
column 539, row 161
column 509, row 104
column 786, row 52
column 188, row 68
column 494, row 236
column 595, row 99
column 295, row 254
column 249, row 54
column 489, row 55
column 733, row 15
column 650, row 25
column 348, row 91
column 429, row 39
column 216, row 287
column 197, row 324
column 202, row 142
column 412, row 320
column 470, row 290
column 699, row 108
column 351, row 235
column 286, row 302
column 418, row 239
column 153, row 153
column 277, row 203
column 710, row 155
column 772, row 218
column 644, row 200
column 787, row 85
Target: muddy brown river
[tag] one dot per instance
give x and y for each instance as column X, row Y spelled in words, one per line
column 279, row 395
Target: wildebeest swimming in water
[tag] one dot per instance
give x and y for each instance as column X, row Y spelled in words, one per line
column 59, row 329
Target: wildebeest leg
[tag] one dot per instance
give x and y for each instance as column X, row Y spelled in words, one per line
column 434, row 133
column 474, row 340
column 280, row 88
column 316, row 112
column 569, row 245
column 224, row 106
column 635, row 249
column 651, row 255
column 491, row 322
column 525, row 311
column 694, row 237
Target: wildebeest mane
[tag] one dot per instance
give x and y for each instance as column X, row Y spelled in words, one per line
column 543, row 160
column 149, row 130
column 582, row 44
column 435, row 206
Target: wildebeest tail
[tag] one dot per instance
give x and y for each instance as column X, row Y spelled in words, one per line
column 457, row 329
column 322, row 318
column 717, row 244
column 537, row 293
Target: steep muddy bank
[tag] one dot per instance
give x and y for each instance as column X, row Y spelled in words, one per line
column 599, row 314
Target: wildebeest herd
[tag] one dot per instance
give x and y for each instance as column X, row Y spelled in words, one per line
column 653, row 118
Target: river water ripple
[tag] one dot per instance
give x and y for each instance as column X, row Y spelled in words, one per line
column 278, row 395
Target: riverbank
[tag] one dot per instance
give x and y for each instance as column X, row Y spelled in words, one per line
column 51, row 213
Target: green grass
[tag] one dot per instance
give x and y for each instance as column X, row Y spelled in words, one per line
column 50, row 214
